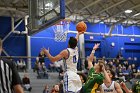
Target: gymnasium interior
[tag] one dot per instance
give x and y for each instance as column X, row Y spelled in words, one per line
column 27, row 26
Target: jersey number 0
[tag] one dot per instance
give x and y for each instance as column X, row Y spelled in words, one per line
column 74, row 59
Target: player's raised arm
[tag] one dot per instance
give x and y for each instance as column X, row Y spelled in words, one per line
column 91, row 57
column 62, row 54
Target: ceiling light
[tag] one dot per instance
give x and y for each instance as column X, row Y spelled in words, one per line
column 128, row 11
column 49, row 4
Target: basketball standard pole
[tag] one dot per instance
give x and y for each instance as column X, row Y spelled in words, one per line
column 82, row 50
column 28, row 44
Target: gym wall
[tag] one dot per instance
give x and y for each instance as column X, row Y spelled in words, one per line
column 131, row 49
column 14, row 45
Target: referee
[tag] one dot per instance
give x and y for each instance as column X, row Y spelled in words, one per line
column 10, row 81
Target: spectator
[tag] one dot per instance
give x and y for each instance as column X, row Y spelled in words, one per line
column 55, row 89
column 41, row 57
column 61, row 74
column 26, row 83
column 117, row 62
column 126, row 64
column 138, row 69
column 114, row 68
column 42, row 71
column 21, row 65
column 130, row 71
column 134, row 70
column 119, row 56
column 36, row 67
column 46, row 89
column 52, row 67
column 57, row 66
column 14, row 82
column 119, row 73
column 61, row 87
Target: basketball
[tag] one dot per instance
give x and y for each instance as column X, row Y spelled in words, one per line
column 81, row 27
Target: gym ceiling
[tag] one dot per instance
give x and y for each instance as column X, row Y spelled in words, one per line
column 126, row 12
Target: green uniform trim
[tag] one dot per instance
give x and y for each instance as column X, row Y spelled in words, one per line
column 93, row 81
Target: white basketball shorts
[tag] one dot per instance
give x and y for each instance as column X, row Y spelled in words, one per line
column 72, row 82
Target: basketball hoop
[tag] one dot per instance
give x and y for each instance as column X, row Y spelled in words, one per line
column 60, row 30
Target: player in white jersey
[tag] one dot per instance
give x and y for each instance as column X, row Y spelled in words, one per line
column 109, row 89
column 112, row 87
column 72, row 82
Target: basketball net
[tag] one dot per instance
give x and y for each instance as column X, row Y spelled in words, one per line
column 60, row 30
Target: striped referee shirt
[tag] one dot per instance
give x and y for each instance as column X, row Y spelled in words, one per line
column 9, row 76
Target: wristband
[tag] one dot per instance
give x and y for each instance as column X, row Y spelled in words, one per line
column 93, row 51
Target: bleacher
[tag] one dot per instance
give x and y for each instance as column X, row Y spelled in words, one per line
column 38, row 84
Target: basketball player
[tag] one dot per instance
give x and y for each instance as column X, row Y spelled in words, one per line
column 110, row 87
column 95, row 77
column 72, row 82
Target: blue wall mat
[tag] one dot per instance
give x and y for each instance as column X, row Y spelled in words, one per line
column 5, row 26
column 136, row 30
column 15, row 45
column 45, row 38
column 106, row 49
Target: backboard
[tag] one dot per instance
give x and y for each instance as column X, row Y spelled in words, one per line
column 44, row 13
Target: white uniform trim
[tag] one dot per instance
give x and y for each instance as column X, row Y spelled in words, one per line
column 72, row 81
column 110, row 89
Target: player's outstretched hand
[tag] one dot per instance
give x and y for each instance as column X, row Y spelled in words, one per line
column 96, row 46
column 46, row 51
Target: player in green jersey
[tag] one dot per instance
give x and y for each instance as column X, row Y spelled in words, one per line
column 97, row 74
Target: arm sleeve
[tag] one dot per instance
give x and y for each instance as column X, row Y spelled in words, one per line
column 15, row 76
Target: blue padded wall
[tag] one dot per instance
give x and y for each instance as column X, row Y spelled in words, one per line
column 15, row 45
column 45, row 39
column 5, row 26
column 131, row 48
